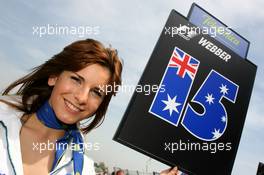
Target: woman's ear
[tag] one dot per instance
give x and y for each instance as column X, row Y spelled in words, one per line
column 52, row 80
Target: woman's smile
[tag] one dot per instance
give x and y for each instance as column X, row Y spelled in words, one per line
column 71, row 107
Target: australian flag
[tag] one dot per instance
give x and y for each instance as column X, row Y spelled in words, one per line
column 177, row 80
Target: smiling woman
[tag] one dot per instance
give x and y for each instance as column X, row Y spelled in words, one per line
column 53, row 99
column 48, row 107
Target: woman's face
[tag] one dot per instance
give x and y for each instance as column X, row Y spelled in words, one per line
column 77, row 95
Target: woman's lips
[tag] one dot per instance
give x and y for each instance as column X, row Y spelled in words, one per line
column 71, row 107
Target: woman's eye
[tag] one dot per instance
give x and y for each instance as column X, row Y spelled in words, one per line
column 76, row 79
column 98, row 93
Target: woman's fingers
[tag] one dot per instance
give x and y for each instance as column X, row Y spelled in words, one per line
column 173, row 171
column 164, row 172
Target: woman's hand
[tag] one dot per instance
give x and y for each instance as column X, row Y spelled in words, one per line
column 171, row 171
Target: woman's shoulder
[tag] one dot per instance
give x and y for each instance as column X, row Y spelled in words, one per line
column 88, row 160
column 7, row 111
column 88, row 166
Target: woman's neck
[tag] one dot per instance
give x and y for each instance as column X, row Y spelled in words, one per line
column 43, row 132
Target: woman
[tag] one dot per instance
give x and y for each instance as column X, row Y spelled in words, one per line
column 53, row 99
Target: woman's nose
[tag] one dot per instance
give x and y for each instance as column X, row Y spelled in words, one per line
column 82, row 95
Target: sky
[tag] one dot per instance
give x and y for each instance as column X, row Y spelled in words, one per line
column 133, row 28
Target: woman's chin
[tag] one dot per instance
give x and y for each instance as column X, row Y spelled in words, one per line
column 67, row 121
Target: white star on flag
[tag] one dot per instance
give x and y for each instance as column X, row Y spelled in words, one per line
column 216, row 134
column 209, row 98
column 171, row 104
column 224, row 89
column 223, row 119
